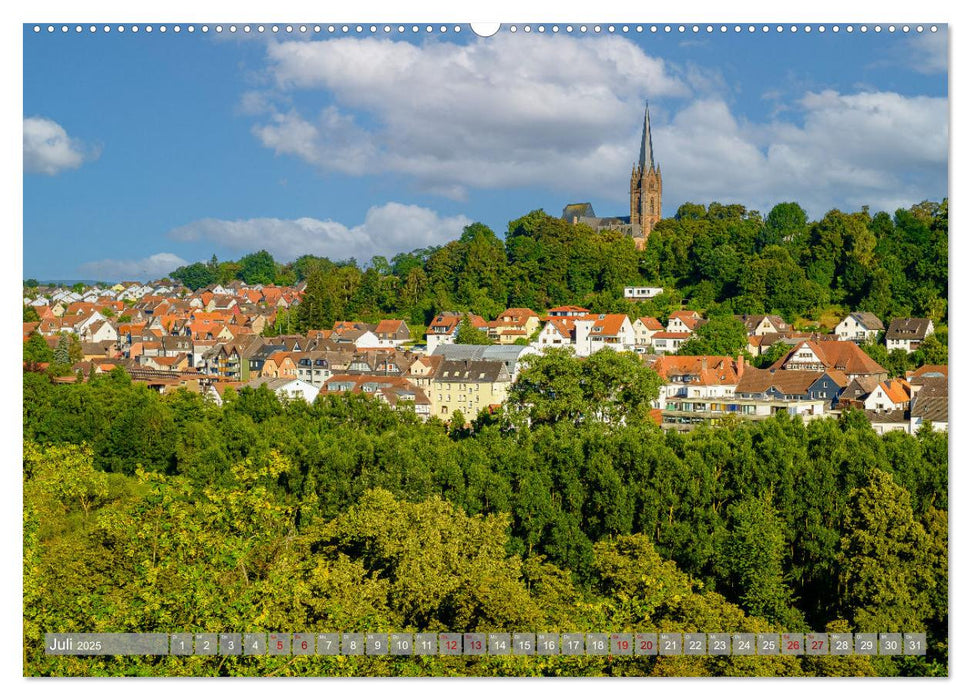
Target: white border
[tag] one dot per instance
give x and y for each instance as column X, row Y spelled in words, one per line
column 603, row 11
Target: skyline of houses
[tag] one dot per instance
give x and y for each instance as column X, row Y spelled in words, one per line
column 219, row 338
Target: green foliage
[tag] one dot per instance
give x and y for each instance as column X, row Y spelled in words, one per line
column 470, row 335
column 775, row 352
column 257, row 268
column 195, row 276
column 36, row 349
column 30, row 314
column 608, row 386
column 171, row 513
column 754, row 554
column 62, row 353
column 721, row 335
column 932, row 351
column 884, row 559
column 722, row 257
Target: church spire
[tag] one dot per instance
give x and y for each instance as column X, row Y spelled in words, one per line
column 647, row 146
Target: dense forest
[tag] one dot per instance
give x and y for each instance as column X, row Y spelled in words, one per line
column 168, row 513
column 722, row 259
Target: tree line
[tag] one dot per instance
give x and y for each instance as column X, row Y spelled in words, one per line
column 723, row 259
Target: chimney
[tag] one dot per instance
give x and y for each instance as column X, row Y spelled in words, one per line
column 704, row 362
column 740, row 366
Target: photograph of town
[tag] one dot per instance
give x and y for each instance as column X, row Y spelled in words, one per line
column 574, row 350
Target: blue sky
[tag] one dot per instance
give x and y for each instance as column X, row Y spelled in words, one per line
column 145, row 151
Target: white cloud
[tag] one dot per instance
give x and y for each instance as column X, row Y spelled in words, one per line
column 876, row 148
column 387, row 230
column 49, row 150
column 508, row 111
column 564, row 113
column 927, row 52
column 152, row 267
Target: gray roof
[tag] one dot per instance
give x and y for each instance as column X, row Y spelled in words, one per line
column 581, row 210
column 510, row 355
column 897, row 416
column 908, row 328
column 264, row 351
column 868, row 320
column 472, row 371
column 930, row 408
column 931, row 386
column 860, row 387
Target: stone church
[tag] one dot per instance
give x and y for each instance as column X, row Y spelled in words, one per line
column 645, row 197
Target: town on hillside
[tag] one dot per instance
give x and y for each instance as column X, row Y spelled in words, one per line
column 221, row 338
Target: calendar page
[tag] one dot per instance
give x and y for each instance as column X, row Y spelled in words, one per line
column 537, row 349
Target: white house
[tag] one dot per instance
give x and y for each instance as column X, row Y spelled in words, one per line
column 893, row 395
column 761, row 324
column 82, row 327
column 684, row 322
column 556, row 333
column 642, row 292
column 860, row 327
column 667, row 341
column 908, row 333
column 286, row 388
column 598, row 331
column 100, row 332
column 644, row 330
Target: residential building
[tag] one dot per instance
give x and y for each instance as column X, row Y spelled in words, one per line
column 509, row 355
column 286, row 388
column 468, row 386
column 684, row 322
column 644, row 330
column 792, row 385
column 831, row 354
column 697, row 376
column 760, row 324
column 639, row 293
column 860, row 327
column 892, row 395
column 392, row 333
column 598, row 331
column 908, row 333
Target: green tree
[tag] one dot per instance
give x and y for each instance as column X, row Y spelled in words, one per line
column 785, row 223
column 885, row 575
column 62, row 353
column 257, row 268
column 723, row 335
column 195, row 276
column 775, row 352
column 754, row 554
column 36, row 349
column 470, row 335
column 609, row 386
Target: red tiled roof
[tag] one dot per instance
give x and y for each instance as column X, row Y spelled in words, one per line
column 564, row 325
column 607, row 326
column 651, row 323
column 671, row 335
column 843, row 355
column 709, row 369
column 573, row 309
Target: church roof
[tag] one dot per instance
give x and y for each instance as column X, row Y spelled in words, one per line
column 647, row 145
column 579, row 210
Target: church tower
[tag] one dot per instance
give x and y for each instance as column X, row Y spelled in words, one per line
column 645, row 188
